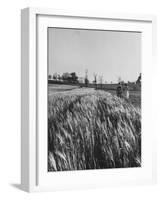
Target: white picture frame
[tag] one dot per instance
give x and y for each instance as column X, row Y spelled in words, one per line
column 34, row 176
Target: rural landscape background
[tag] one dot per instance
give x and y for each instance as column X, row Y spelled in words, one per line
column 89, row 125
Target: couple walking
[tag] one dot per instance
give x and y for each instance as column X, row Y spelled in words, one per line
column 123, row 90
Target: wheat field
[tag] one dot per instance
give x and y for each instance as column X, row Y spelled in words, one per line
column 92, row 129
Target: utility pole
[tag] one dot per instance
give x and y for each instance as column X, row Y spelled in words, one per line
column 95, row 80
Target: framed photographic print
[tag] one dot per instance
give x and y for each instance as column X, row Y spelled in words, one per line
column 86, row 106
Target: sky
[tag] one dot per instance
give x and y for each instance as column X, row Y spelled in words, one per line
column 111, row 54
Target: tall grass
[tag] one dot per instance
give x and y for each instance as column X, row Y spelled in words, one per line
column 92, row 130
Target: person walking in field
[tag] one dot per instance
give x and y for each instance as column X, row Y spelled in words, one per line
column 119, row 90
column 126, row 91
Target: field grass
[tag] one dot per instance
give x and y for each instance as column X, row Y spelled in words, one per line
column 92, row 129
column 61, row 88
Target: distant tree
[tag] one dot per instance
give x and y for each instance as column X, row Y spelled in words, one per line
column 66, row 77
column 59, row 77
column 74, row 77
column 55, row 76
column 86, row 78
column 70, row 77
column 49, row 76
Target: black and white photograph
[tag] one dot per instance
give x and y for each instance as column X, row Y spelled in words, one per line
column 94, row 99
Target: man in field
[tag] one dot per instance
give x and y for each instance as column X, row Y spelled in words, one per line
column 119, row 90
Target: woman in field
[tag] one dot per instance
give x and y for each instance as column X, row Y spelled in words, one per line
column 126, row 91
